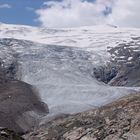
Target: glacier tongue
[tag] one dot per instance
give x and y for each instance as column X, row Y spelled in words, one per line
column 63, row 75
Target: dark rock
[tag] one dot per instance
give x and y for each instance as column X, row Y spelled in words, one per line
column 124, row 66
column 105, row 73
column 6, row 134
column 20, row 106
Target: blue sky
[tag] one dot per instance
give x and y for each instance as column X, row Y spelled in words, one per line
column 20, row 11
column 70, row 13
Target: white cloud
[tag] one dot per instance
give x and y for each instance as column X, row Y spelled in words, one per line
column 5, row 6
column 126, row 13
column 70, row 13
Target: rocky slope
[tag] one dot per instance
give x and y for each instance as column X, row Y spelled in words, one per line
column 124, row 66
column 20, row 107
column 119, row 120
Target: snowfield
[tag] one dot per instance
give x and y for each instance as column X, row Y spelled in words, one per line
column 90, row 38
column 60, row 62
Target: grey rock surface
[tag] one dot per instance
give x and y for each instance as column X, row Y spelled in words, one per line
column 119, row 120
column 124, row 66
column 20, row 107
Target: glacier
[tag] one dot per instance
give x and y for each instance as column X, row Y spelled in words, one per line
column 60, row 63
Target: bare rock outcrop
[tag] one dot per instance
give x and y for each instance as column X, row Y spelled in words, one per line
column 124, row 66
column 6, row 134
column 119, row 120
column 20, row 107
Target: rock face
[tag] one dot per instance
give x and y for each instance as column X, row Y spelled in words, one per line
column 105, row 73
column 20, row 107
column 6, row 134
column 126, row 57
column 124, row 67
column 119, row 120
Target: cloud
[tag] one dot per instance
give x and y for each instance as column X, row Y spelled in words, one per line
column 126, row 13
column 5, row 6
column 72, row 13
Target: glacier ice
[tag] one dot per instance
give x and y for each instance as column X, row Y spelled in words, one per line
column 62, row 71
column 62, row 75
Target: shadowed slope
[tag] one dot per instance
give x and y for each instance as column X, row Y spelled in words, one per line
column 20, row 108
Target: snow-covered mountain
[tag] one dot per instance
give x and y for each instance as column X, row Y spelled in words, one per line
column 92, row 38
column 70, row 67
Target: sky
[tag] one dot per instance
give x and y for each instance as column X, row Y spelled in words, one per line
column 70, row 13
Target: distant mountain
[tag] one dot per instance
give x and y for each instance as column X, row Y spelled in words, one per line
column 98, row 39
